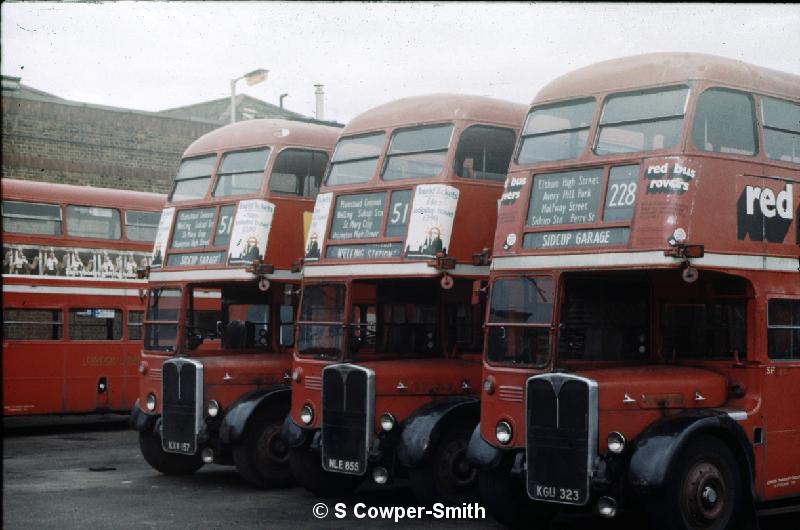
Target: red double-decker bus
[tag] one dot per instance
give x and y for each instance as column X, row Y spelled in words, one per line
column 387, row 363
column 643, row 335
column 223, row 287
column 72, row 303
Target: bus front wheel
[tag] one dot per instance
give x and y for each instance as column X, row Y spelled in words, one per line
column 702, row 492
column 262, row 457
column 447, row 476
column 164, row 462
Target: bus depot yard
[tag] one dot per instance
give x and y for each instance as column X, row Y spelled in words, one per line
column 600, row 318
column 82, row 473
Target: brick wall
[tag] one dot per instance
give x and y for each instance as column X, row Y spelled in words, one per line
column 86, row 145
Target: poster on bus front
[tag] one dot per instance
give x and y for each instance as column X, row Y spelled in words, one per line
column 319, row 223
column 250, row 232
column 162, row 237
column 432, row 213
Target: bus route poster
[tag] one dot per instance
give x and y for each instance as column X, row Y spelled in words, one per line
column 432, row 213
column 162, row 235
column 319, row 222
column 250, row 232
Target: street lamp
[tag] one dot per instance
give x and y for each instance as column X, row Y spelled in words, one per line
column 251, row 78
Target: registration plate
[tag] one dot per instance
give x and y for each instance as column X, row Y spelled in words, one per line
column 541, row 492
column 346, row 466
column 179, row 447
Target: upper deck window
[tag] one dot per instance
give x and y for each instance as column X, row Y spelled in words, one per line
column 484, row 153
column 241, row 173
column 88, row 221
column 641, row 121
column 193, row 178
column 556, row 132
column 781, row 129
column 417, row 153
column 31, row 218
column 298, row 172
column 725, row 122
column 141, row 226
column 355, row 159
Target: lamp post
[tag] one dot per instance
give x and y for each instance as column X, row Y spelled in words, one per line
column 251, row 78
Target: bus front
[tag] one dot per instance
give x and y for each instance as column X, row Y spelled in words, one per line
column 387, row 362
column 222, row 298
column 644, row 289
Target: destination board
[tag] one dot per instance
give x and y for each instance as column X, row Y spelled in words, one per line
column 193, row 228
column 577, row 238
column 358, row 216
column 195, row 258
column 377, row 250
column 565, row 198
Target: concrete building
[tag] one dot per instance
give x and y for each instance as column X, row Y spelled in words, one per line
column 48, row 138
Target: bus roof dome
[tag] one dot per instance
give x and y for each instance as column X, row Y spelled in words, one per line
column 71, row 193
column 657, row 69
column 436, row 107
column 253, row 133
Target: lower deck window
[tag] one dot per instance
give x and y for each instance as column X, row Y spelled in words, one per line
column 95, row 324
column 32, row 324
column 714, row 330
column 783, row 329
column 604, row 320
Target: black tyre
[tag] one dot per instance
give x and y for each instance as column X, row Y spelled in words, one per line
column 262, row 457
column 703, row 490
column 307, row 471
column 446, row 476
column 167, row 463
column 506, row 499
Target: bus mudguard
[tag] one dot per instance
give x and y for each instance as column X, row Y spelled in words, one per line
column 140, row 420
column 422, row 429
column 481, row 453
column 237, row 416
column 658, row 447
column 293, row 434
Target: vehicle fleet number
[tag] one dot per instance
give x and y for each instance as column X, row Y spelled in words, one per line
column 556, row 494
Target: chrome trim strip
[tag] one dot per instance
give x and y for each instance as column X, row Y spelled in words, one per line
column 736, row 415
column 651, row 258
column 592, row 428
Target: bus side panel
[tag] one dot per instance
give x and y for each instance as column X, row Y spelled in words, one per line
column 33, row 377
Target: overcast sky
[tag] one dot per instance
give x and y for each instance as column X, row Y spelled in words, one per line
column 153, row 56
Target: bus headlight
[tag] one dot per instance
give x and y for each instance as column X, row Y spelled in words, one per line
column 297, row 374
column 213, row 408
column 616, row 442
column 143, row 367
column 503, row 432
column 488, row 385
column 307, row 414
column 150, row 402
column 387, row 421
